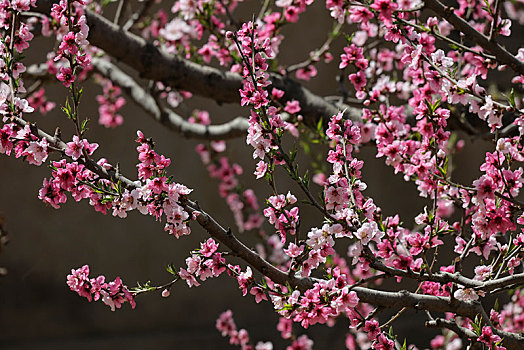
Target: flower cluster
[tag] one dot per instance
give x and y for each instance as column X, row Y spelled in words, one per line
column 323, row 302
column 72, row 26
column 39, row 102
column 285, row 221
column 114, row 294
column 69, row 177
column 242, row 202
column 204, row 263
column 226, row 325
column 154, row 195
column 109, row 104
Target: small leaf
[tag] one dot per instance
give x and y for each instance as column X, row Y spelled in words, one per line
column 79, row 95
column 83, row 127
column 512, row 98
column 171, row 269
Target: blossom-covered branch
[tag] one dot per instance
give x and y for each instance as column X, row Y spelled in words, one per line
column 489, row 44
column 155, row 64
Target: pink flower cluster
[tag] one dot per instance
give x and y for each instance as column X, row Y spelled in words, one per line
column 227, row 327
column 409, row 90
column 225, row 324
column 38, row 101
column 293, row 8
column 155, row 195
column 72, row 178
column 242, row 202
column 72, row 48
column 285, row 221
column 26, row 145
column 113, row 294
column 109, row 104
column 204, row 263
column 323, row 302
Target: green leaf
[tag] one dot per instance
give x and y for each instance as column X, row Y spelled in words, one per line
column 477, row 325
column 349, row 38
column 442, row 170
column 79, row 95
column 293, row 153
column 107, row 2
column 512, row 98
column 436, row 104
column 390, row 333
column 305, row 146
column 67, row 109
column 171, row 269
column 305, row 178
column 83, row 127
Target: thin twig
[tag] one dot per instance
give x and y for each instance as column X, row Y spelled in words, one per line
column 118, row 13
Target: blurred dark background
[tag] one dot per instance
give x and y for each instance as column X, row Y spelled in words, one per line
column 37, row 309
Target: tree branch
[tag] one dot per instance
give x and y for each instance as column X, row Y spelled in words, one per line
column 462, row 332
column 235, row 128
column 446, row 277
column 459, row 23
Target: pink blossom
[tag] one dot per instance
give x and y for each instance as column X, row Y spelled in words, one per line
column 292, row 14
column 189, row 278
column 482, row 272
column 66, row 76
column 301, row 343
column 74, row 148
column 372, row 329
column 385, row 9
column 487, row 337
column 358, row 79
column 306, row 73
column 293, row 250
column 292, row 107
column 258, row 293
column 369, row 231
column 285, row 327
column 208, row 248
column 466, row 294
column 261, row 169
column 36, row 153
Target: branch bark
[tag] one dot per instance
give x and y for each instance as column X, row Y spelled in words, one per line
column 459, row 23
column 446, row 277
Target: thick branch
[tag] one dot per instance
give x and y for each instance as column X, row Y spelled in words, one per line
column 446, row 277
column 235, row 128
column 503, row 55
column 154, row 63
